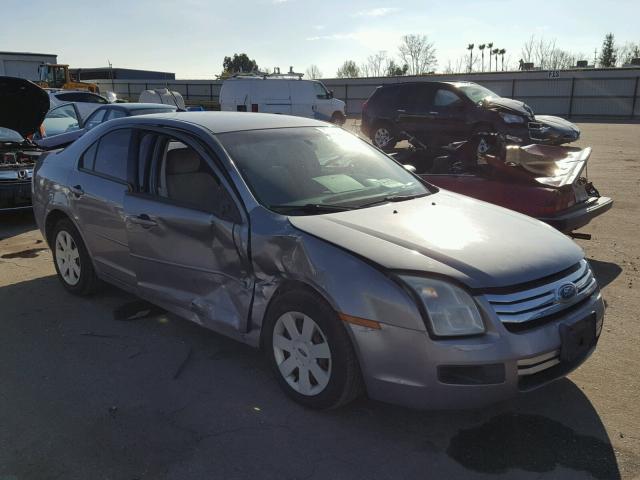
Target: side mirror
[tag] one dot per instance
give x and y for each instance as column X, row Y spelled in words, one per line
column 330, row 93
column 410, row 167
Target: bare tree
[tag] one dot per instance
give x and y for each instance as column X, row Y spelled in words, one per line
column 527, row 50
column 418, row 53
column 628, row 52
column 375, row 66
column 546, row 55
column 349, row 69
column 314, row 72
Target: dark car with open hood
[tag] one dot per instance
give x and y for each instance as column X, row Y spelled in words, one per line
column 438, row 113
column 23, row 106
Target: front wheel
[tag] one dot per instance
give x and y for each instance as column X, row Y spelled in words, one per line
column 311, row 352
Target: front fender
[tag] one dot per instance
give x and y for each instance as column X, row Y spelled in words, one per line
column 350, row 284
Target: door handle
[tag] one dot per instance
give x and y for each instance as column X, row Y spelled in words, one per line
column 401, row 111
column 434, row 113
column 77, row 191
column 144, row 220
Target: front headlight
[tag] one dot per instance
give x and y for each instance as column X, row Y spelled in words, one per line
column 452, row 312
column 511, row 118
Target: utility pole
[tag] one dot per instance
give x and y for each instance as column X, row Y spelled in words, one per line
column 113, row 88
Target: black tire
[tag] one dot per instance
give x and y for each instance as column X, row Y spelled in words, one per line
column 338, row 118
column 345, row 380
column 377, row 135
column 87, row 282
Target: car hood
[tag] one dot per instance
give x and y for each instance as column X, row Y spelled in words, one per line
column 24, row 105
column 476, row 243
column 507, row 105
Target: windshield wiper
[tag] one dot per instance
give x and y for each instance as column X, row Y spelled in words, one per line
column 310, row 208
column 393, row 198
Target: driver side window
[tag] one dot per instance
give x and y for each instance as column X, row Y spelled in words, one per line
column 446, row 98
column 176, row 172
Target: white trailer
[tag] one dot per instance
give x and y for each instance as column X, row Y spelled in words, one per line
column 24, row 65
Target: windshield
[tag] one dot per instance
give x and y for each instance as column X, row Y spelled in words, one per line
column 321, row 167
column 8, row 135
column 477, row 93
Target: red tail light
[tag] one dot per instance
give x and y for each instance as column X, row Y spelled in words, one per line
column 254, row 107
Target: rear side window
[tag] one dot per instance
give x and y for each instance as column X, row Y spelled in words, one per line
column 416, row 97
column 115, row 114
column 385, row 96
column 89, row 157
column 109, row 155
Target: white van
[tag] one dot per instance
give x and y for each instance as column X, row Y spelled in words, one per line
column 291, row 96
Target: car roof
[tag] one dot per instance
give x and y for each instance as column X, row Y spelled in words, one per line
column 223, row 122
column 435, row 82
column 139, row 106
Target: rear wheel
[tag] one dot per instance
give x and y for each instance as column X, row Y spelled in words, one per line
column 71, row 259
column 311, row 352
column 338, row 118
column 384, row 137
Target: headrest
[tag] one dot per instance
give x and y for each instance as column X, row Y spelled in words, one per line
column 182, row 160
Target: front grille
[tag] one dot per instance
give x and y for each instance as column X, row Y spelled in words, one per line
column 529, row 308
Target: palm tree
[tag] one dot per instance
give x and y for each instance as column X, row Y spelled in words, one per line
column 502, row 52
column 496, row 51
column 470, row 48
column 481, row 48
column 489, row 46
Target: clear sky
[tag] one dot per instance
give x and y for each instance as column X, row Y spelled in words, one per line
column 191, row 37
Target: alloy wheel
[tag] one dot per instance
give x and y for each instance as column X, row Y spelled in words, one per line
column 302, row 353
column 382, row 137
column 67, row 258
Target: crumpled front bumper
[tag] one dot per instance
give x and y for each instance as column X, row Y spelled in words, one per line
column 404, row 366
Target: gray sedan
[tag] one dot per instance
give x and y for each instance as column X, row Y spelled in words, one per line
column 297, row 237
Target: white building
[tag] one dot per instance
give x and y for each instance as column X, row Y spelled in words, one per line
column 24, row 65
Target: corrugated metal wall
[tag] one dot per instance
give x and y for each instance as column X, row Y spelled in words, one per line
column 604, row 93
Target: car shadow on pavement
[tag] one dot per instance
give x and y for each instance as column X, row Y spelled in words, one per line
column 606, row 272
column 15, row 223
column 104, row 386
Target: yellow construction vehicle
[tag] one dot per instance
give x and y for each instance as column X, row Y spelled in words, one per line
column 54, row 75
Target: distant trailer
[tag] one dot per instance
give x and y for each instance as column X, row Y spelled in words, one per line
column 164, row 96
column 24, row 65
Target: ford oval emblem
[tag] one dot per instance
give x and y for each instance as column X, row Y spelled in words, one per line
column 566, row 292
